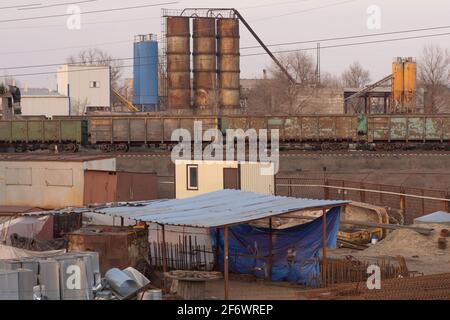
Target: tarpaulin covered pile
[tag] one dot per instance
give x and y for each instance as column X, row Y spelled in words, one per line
column 295, row 250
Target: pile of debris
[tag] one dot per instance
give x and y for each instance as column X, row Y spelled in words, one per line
column 427, row 253
column 71, row 276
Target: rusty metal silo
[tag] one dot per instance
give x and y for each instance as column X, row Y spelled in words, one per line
column 178, row 63
column 228, row 62
column 205, row 66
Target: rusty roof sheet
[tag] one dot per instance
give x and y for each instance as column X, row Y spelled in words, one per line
column 48, row 157
column 220, row 208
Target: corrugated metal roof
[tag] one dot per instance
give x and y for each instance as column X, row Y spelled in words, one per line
column 225, row 207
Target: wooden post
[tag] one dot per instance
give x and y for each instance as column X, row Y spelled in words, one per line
column 270, row 249
column 164, row 249
column 324, row 233
column 402, row 205
column 225, row 261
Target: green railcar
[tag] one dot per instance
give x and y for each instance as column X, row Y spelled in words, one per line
column 15, row 132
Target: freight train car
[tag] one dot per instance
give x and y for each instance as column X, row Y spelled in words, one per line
column 319, row 131
column 29, row 135
column 119, row 133
column 311, row 132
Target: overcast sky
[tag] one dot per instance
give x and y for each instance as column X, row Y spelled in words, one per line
column 48, row 41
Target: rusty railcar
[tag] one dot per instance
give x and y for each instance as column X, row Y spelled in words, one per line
column 122, row 132
column 311, row 128
column 408, row 129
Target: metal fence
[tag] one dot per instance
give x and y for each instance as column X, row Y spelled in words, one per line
column 411, row 202
column 187, row 254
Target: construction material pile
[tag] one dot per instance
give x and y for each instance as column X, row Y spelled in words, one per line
column 409, row 243
column 425, row 254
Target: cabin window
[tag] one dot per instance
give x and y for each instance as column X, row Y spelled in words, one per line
column 192, row 177
column 95, row 84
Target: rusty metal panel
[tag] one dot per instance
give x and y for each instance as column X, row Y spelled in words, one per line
column 398, row 128
column 378, row 129
column 446, row 128
column 178, row 62
column 170, row 124
column 293, row 129
column 416, row 128
column 276, row 123
column 204, row 34
column 121, row 130
column 137, row 130
column 258, row 123
column 228, row 62
column 327, row 128
column 136, row 186
column 100, row 129
column 99, row 187
column 310, row 128
column 346, row 128
column 209, row 123
column 155, row 130
column 234, row 123
column 434, row 127
column 118, row 247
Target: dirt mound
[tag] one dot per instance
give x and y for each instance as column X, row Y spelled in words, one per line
column 409, row 243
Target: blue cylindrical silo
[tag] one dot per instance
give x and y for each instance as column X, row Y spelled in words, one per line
column 145, row 71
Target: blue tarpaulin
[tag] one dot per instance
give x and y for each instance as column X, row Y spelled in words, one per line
column 295, row 250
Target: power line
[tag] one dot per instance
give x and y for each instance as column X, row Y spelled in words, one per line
column 40, row 6
column 304, row 10
column 89, row 12
column 350, row 37
column 271, row 45
column 245, row 55
column 20, row 6
column 356, row 43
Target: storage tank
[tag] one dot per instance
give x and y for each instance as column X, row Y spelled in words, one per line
column 397, row 85
column 178, row 63
column 228, row 62
column 410, row 85
column 205, row 66
column 145, row 69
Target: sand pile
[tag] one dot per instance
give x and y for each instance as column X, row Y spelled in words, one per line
column 409, row 243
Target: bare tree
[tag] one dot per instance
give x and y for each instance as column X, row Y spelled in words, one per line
column 356, row 76
column 434, row 75
column 301, row 67
column 99, row 57
column 328, row 80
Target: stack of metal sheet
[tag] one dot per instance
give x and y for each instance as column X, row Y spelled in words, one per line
column 71, row 276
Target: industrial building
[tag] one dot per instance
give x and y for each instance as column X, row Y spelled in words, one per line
column 44, row 102
column 87, row 86
column 70, row 181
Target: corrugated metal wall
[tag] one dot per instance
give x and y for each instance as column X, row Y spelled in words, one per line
column 252, row 179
